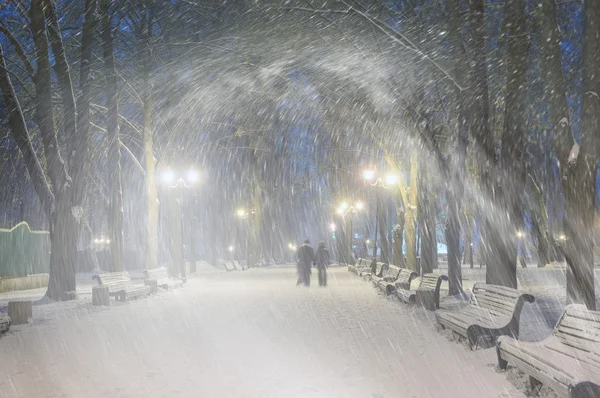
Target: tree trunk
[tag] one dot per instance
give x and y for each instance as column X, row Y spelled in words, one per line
column 410, row 222
column 580, row 212
column 426, row 214
column 578, row 173
column 508, row 215
column 454, row 182
column 382, row 225
column 399, row 240
column 115, row 206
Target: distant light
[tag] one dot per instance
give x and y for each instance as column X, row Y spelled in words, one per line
column 230, row 248
column 368, row 175
column 168, row 176
column 344, row 206
column 367, row 241
column 471, row 244
column 241, row 212
column 332, row 226
column 520, row 234
column 96, row 240
column 391, row 179
column 360, row 205
column 107, row 241
column 192, row 175
column 562, row 237
column 290, row 245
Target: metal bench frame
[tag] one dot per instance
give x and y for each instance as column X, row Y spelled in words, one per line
column 576, row 336
column 430, row 282
column 494, row 311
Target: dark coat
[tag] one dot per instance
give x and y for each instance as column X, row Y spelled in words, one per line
column 306, row 255
column 323, row 259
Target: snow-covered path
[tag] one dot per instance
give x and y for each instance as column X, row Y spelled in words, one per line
column 251, row 334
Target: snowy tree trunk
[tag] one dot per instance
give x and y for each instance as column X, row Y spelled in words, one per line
column 410, row 219
column 150, row 162
column 578, row 173
column 399, row 240
column 382, row 225
column 115, row 206
column 580, row 211
column 454, row 182
column 427, row 220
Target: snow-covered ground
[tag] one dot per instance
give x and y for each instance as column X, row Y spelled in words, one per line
column 254, row 334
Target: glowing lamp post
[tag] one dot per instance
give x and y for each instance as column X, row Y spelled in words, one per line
column 180, row 180
column 343, row 210
column 243, row 214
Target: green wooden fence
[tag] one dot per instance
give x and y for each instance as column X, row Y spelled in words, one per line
column 23, row 251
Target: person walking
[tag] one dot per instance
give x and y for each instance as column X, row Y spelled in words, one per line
column 306, row 258
column 323, row 262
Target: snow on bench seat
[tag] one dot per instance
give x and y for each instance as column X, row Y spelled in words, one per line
column 119, row 285
column 568, row 361
column 395, row 278
column 494, row 311
column 430, row 285
column 161, row 278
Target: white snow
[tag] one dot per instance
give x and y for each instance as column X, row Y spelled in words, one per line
column 254, row 334
column 574, row 154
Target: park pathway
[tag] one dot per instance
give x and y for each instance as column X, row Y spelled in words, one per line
column 247, row 334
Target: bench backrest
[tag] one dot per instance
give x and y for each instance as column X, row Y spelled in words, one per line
column 115, row 281
column 499, row 300
column 392, row 271
column 432, row 281
column 379, row 268
column 156, row 273
column 237, row 265
column 229, row 266
column 580, row 328
column 363, row 263
column 406, row 276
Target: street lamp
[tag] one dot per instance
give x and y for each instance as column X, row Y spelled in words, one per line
column 180, row 179
column 243, row 214
column 376, row 181
column 343, row 209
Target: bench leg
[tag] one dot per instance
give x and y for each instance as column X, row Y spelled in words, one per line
column 502, row 363
column 535, row 385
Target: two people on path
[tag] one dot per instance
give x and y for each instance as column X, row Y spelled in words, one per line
column 307, row 258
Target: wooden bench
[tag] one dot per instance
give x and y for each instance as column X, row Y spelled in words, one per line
column 493, row 311
column 119, row 285
column 377, row 270
column 395, row 278
column 4, row 323
column 429, row 287
column 237, row 266
column 360, row 265
column 568, row 361
column 159, row 277
column 229, row 266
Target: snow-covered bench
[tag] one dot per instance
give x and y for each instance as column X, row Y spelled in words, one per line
column 568, row 361
column 369, row 274
column 4, row 323
column 229, row 266
column 395, row 278
column 159, row 277
column 493, row 311
column 119, row 285
column 361, row 264
column 428, row 290
column 237, row 266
